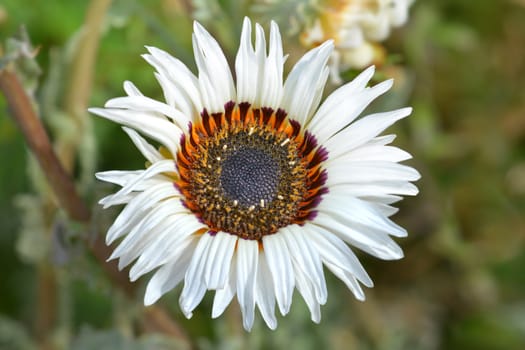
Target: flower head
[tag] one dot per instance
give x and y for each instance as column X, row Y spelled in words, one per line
column 356, row 26
column 254, row 186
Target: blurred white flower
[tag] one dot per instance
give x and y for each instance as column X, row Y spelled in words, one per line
column 256, row 185
column 356, row 26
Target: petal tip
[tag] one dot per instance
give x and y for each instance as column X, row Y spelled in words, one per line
column 94, row 110
column 151, row 297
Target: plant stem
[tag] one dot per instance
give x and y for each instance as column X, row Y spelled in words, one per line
column 45, row 317
column 39, row 143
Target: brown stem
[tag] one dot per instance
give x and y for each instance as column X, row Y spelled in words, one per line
column 64, row 188
column 46, row 315
column 38, row 141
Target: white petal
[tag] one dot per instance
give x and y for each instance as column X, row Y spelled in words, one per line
column 178, row 98
column 372, row 152
column 348, row 279
column 168, row 276
column 307, row 259
column 369, row 172
column 385, row 199
column 359, row 212
column 137, row 241
column 119, row 177
column 247, row 66
column 334, row 110
column 343, row 115
column 182, row 81
column 213, row 103
column 375, row 243
column 166, row 244
column 271, row 83
column 247, row 259
column 116, row 199
column 362, row 131
column 146, row 104
column 264, row 292
column 334, row 251
column 280, row 264
column 154, row 226
column 381, row 140
column 131, row 89
column 145, row 264
column 259, row 77
column 158, row 129
column 219, row 260
column 377, row 189
column 215, row 79
column 194, row 287
column 133, row 213
column 224, row 296
column 148, row 151
column 159, row 213
column 305, row 288
column 121, row 200
column 385, row 209
column 305, row 83
column 163, row 166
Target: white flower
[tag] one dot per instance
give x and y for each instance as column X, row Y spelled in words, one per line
column 255, row 186
column 356, row 26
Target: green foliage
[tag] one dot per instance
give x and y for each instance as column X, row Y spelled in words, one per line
column 14, row 336
column 89, row 339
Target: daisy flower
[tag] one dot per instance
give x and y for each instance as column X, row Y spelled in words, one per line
column 255, row 186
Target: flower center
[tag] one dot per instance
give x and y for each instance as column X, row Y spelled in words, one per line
column 250, row 176
column 250, row 171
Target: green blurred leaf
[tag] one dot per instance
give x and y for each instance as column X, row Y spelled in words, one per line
column 13, row 336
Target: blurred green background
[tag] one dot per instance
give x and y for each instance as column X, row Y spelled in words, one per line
column 461, row 285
